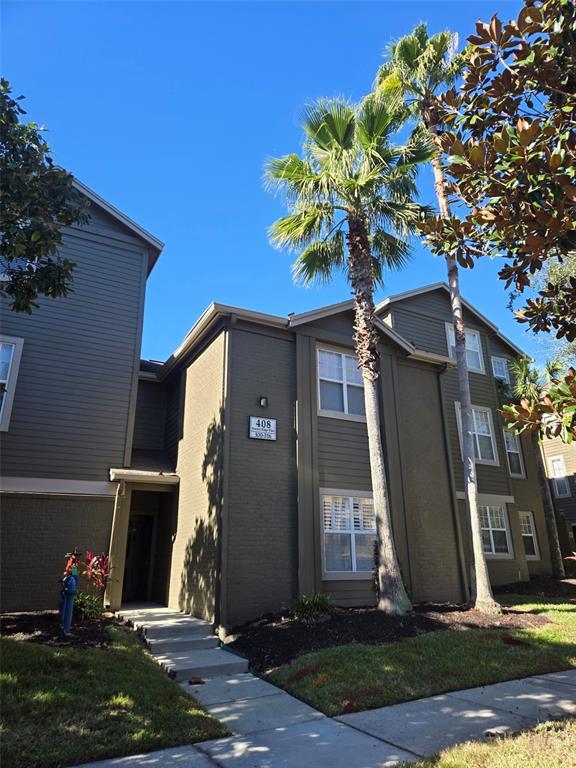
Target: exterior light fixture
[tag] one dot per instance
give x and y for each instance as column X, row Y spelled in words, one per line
column 263, row 401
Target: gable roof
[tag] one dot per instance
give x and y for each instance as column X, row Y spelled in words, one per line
column 470, row 307
column 154, row 244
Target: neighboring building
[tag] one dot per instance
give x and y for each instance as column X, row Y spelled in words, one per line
column 560, row 463
column 239, row 476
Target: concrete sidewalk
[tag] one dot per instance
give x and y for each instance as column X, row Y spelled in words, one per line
column 272, row 729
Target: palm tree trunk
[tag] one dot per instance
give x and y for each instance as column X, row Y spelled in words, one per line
column 550, row 516
column 392, row 596
column 481, row 596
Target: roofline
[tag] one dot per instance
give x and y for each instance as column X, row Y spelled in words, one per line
column 210, row 314
column 318, row 314
column 156, row 244
column 436, row 286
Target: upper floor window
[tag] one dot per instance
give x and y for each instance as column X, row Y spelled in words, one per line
column 349, row 532
column 10, row 354
column 473, row 348
column 495, row 533
column 340, row 385
column 559, row 479
column 528, row 530
column 482, row 434
column 513, row 453
column 500, row 369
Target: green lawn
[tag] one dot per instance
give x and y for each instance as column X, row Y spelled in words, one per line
column 62, row 706
column 352, row 678
column 549, row 745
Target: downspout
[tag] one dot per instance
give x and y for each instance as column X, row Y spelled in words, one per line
column 111, row 591
column 464, row 583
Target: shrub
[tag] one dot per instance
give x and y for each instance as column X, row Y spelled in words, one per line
column 312, row 607
column 88, row 607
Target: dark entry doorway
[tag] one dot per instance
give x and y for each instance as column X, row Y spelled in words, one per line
column 138, row 558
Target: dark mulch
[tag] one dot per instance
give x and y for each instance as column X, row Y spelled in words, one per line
column 43, row 627
column 270, row 643
column 541, row 586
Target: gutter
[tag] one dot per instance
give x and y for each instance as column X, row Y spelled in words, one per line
column 144, row 476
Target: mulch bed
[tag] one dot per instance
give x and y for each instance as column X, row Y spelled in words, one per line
column 541, row 586
column 44, row 627
column 270, row 643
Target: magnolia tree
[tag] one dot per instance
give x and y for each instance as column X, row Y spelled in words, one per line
column 509, row 149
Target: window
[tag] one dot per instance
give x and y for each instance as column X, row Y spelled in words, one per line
column 528, row 530
column 559, row 479
column 473, row 348
column 495, row 534
column 340, row 385
column 10, row 354
column 349, row 533
column 482, row 434
column 513, row 453
column 500, row 369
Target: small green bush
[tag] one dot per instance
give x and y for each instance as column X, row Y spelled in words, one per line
column 88, row 607
column 312, row 607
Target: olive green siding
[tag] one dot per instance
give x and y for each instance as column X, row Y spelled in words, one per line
column 422, row 319
column 261, row 510
column 198, row 440
column 37, row 531
column 431, row 531
column 75, row 390
column 565, row 506
column 150, row 423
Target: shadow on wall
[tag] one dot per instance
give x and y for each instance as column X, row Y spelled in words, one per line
column 199, row 581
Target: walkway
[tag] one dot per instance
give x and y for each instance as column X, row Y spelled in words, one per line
column 271, row 729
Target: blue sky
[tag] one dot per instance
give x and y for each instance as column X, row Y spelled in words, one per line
column 169, row 110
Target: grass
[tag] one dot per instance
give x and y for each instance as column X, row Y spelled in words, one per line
column 62, row 706
column 549, row 745
column 352, row 678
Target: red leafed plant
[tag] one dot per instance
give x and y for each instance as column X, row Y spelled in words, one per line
column 97, row 569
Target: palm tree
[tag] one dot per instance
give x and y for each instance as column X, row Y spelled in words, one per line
column 350, row 200
column 419, row 66
column 529, row 384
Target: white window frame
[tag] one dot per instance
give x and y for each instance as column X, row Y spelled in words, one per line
column 337, row 414
column 533, row 533
column 8, row 399
column 499, row 555
column 506, row 378
column 451, row 342
column 555, row 478
column 495, row 462
column 516, row 437
column 342, row 575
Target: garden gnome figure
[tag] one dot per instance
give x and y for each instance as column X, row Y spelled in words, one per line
column 68, row 591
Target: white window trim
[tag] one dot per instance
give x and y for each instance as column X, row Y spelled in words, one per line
column 522, row 474
column 554, row 479
column 8, row 401
column 534, row 534
column 341, row 575
column 336, row 414
column 495, row 462
column 501, row 555
column 504, row 360
column 450, row 330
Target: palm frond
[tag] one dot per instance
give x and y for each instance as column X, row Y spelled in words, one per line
column 388, row 253
column 294, row 176
column 379, row 116
column 319, row 260
column 299, row 228
column 330, row 124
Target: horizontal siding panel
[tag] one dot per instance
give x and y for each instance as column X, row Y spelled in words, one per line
column 70, row 412
column 343, row 456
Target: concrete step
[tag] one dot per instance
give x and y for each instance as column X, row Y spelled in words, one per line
column 210, row 662
column 189, row 642
column 177, row 627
